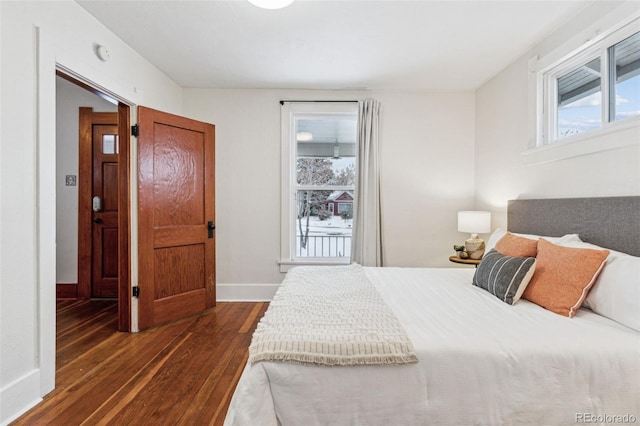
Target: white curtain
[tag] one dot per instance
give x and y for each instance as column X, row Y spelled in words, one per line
column 366, row 247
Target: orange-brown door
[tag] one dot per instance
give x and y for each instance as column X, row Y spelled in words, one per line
column 104, row 250
column 98, row 230
column 176, row 215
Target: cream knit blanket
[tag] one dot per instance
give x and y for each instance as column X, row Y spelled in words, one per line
column 330, row 315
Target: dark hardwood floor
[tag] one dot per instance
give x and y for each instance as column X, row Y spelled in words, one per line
column 182, row 373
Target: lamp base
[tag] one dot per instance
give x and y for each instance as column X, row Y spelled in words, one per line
column 475, row 247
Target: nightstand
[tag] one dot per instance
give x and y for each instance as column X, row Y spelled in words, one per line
column 456, row 259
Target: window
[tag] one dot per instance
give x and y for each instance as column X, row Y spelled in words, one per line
column 318, row 178
column 345, row 209
column 578, row 100
column 595, row 89
column 109, row 144
column 624, row 60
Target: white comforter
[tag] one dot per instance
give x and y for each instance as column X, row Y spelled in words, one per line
column 481, row 362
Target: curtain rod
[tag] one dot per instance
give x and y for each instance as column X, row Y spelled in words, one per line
column 298, row 101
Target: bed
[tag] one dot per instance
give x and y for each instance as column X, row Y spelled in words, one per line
column 481, row 361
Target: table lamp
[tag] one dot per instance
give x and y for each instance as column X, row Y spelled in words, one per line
column 474, row 222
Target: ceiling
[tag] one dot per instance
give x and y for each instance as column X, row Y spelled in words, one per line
column 333, row 44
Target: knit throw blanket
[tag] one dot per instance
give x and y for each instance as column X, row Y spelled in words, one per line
column 330, row 315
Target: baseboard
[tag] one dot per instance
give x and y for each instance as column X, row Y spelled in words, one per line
column 224, row 292
column 19, row 397
column 245, row 292
column 66, row 291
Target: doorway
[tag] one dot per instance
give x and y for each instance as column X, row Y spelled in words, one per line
column 92, row 253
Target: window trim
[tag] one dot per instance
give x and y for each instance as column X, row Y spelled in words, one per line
column 544, row 73
column 288, row 113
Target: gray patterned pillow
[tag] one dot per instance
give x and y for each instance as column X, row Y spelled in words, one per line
column 505, row 277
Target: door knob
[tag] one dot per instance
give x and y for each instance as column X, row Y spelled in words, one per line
column 211, row 227
column 97, row 220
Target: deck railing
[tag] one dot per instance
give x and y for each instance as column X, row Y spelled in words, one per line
column 324, row 246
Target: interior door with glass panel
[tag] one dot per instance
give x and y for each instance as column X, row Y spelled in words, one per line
column 104, row 282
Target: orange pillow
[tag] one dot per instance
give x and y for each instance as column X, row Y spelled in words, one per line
column 515, row 246
column 563, row 276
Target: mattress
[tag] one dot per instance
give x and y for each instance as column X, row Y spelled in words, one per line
column 480, row 362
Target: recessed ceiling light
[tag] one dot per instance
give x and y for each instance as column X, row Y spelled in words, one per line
column 271, row 4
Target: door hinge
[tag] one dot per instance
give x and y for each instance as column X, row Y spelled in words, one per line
column 135, row 130
column 136, row 291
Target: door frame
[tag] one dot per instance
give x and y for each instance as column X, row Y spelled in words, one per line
column 124, row 205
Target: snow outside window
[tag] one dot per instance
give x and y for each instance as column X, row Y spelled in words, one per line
column 319, row 143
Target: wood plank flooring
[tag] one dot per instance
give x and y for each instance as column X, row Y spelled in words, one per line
column 181, row 373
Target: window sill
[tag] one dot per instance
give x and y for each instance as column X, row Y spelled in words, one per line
column 588, row 143
column 285, row 265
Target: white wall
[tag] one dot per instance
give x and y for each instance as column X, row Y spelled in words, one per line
column 426, row 170
column 69, row 98
column 503, row 113
column 34, row 36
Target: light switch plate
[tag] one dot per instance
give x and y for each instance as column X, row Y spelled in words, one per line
column 70, row 180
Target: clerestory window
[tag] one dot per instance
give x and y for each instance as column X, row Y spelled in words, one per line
column 595, row 88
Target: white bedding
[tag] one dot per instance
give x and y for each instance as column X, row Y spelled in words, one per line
column 481, row 362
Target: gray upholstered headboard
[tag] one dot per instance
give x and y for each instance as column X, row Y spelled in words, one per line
column 612, row 222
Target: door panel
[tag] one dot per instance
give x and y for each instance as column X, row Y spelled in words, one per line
column 109, row 186
column 176, row 201
column 110, row 245
column 179, row 269
column 179, row 176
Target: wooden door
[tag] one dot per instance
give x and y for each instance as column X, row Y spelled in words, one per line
column 99, row 233
column 104, row 250
column 176, row 210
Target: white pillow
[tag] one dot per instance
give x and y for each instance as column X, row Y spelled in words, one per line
column 616, row 292
column 499, row 233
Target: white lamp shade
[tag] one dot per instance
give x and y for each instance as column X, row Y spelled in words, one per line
column 474, row 222
column 271, row 4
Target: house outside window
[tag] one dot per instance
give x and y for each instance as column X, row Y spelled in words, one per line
column 318, row 177
column 341, row 204
column 595, row 89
